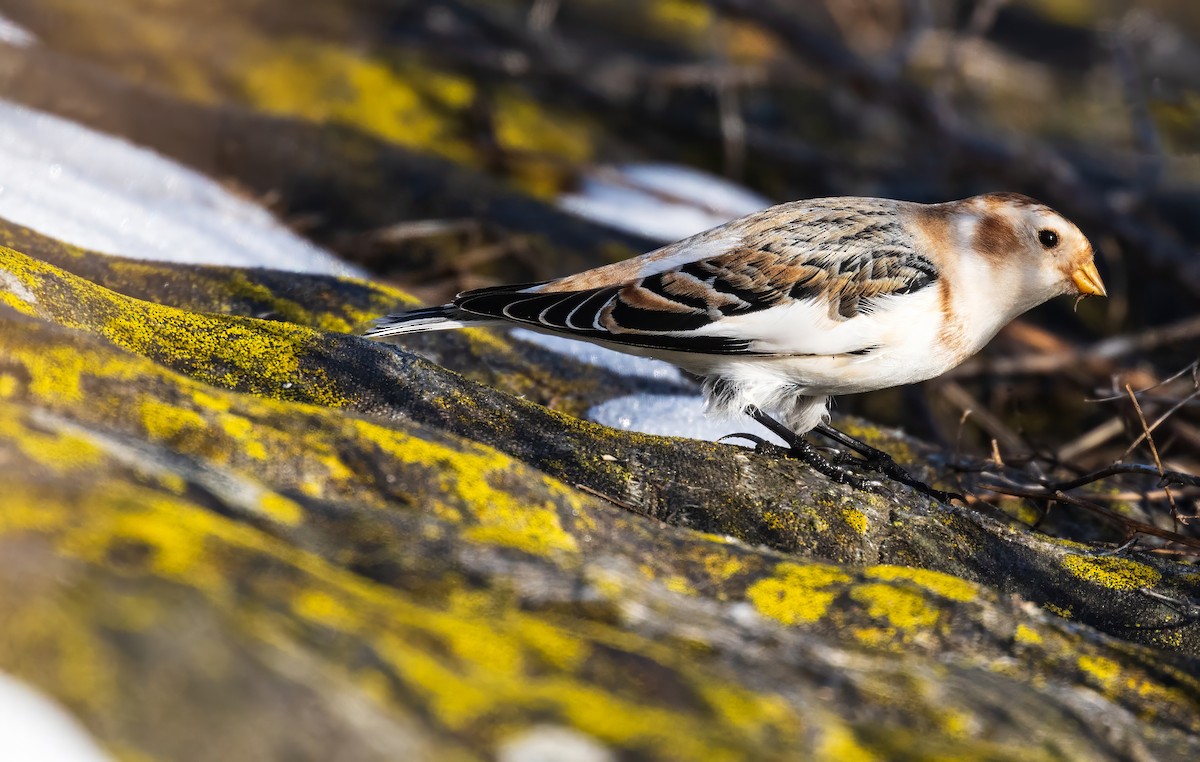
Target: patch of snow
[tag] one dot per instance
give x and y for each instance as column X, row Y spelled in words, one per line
column 664, row 202
column 672, row 415
column 601, row 357
column 15, row 287
column 552, row 743
column 12, row 33
column 93, row 190
column 33, row 727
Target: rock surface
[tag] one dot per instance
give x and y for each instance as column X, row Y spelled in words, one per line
column 233, row 529
column 224, row 510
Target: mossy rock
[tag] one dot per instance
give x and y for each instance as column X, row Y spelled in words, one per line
column 216, row 520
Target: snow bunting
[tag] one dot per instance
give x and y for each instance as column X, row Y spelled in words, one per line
column 780, row 309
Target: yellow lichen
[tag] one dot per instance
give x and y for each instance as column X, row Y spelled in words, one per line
column 679, row 584
column 686, row 17
column 244, row 432
column 839, row 744
column 165, row 536
column 60, row 451
column 721, row 567
column 8, row 385
column 747, row 710
column 406, row 104
column 499, row 518
column 876, row 637
column 796, row 594
column 262, row 356
column 55, row 374
column 279, row 508
column 321, row 607
column 545, row 144
column 1104, row 671
column 954, row 723
column 902, row 608
column 167, row 423
column 1112, row 572
column 856, row 519
column 1027, row 635
column 1064, row 612
column 944, row 585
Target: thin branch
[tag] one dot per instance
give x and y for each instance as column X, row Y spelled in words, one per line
column 1124, row 523
column 1161, row 419
column 1173, row 477
column 1153, row 450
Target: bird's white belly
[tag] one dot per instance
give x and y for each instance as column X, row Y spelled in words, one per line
column 900, row 342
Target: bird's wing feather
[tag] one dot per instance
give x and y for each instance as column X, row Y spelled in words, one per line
column 841, row 261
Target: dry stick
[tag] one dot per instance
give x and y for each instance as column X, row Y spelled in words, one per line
column 1090, row 440
column 1129, row 495
column 1177, row 477
column 1175, row 515
column 1122, row 522
column 1161, row 419
column 962, row 399
column 1191, row 368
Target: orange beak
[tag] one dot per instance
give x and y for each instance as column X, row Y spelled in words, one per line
column 1087, row 280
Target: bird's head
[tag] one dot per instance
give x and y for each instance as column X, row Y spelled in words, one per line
column 1034, row 245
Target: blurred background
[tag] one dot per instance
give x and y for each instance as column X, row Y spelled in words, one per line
column 453, row 144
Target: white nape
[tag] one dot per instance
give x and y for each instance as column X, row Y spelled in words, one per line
column 33, row 727
column 672, row 415
column 86, row 188
column 663, row 202
column 12, row 33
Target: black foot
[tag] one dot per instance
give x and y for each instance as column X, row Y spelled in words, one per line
column 880, row 462
column 800, row 449
column 874, row 460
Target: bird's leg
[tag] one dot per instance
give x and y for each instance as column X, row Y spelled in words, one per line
column 877, row 460
column 801, row 449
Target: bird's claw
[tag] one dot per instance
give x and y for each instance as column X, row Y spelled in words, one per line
column 761, row 445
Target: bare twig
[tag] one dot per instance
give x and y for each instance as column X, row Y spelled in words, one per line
column 962, row 399
column 1192, row 369
column 1127, row 525
column 1091, row 439
column 1174, row 477
column 1137, row 407
column 1159, row 421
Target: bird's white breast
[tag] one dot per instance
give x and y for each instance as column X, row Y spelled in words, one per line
column 898, row 342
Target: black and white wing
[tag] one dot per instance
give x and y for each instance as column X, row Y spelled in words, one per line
column 810, row 267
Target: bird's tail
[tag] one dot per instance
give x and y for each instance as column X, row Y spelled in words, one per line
column 442, row 318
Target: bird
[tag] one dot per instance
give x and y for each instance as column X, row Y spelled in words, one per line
column 780, row 310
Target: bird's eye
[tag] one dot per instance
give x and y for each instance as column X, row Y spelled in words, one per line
column 1048, row 238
